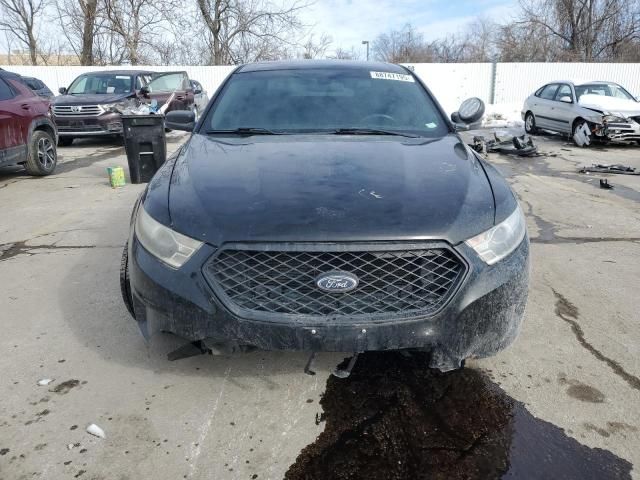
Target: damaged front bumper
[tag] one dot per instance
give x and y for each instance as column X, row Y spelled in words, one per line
column 618, row 132
column 482, row 318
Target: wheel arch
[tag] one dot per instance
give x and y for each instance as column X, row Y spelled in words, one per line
column 45, row 125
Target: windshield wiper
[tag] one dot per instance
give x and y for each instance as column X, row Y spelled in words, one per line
column 247, row 131
column 370, row 131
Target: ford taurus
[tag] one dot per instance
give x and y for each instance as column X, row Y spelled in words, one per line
column 328, row 206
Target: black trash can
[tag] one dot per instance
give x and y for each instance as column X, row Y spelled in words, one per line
column 145, row 144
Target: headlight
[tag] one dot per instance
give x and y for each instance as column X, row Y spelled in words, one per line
column 499, row 241
column 171, row 247
column 117, row 107
column 614, row 119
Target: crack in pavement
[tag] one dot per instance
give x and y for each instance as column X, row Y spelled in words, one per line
column 580, row 240
column 10, row 250
column 568, row 312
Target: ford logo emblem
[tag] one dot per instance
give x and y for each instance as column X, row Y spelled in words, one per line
column 337, row 282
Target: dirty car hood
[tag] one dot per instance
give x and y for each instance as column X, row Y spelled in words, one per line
column 611, row 105
column 90, row 99
column 328, row 188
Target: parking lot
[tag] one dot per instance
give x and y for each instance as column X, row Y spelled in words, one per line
column 562, row 402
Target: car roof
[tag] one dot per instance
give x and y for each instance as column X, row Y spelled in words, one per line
column 578, row 83
column 321, row 64
column 118, row 72
column 8, row 74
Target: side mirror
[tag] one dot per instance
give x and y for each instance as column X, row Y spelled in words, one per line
column 197, row 91
column 470, row 111
column 566, row 99
column 184, row 120
column 145, row 91
column 62, row 90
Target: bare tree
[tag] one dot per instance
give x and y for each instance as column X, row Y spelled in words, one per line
column 80, row 24
column 399, row 46
column 249, row 30
column 316, row 49
column 138, row 23
column 585, row 30
column 342, row 54
column 18, row 17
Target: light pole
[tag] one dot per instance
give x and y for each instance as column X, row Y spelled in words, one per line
column 366, row 42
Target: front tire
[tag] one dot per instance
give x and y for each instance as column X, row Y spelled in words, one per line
column 125, row 283
column 530, row 124
column 42, row 157
column 582, row 133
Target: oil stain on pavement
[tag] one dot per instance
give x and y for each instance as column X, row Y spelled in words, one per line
column 394, row 418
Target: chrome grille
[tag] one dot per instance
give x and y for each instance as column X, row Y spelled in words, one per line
column 77, row 110
column 271, row 282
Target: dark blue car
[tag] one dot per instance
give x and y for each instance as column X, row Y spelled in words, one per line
column 328, row 206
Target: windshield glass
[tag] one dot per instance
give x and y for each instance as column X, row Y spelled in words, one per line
column 168, row 83
column 606, row 89
column 321, row 100
column 101, row 83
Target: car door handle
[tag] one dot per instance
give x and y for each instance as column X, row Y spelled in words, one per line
column 25, row 106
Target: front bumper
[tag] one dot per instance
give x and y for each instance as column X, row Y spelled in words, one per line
column 483, row 317
column 89, row 125
column 622, row 132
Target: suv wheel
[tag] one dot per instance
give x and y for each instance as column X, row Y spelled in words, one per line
column 530, row 123
column 65, row 141
column 125, row 284
column 42, row 158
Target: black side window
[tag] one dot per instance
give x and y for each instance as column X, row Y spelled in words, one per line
column 549, row 92
column 5, row 91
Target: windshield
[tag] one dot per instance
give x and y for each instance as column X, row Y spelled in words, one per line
column 606, row 89
column 168, row 82
column 320, row 100
column 101, row 83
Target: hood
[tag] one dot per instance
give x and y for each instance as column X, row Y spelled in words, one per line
column 328, row 188
column 611, row 105
column 90, row 99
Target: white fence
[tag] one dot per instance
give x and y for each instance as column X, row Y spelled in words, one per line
column 450, row 82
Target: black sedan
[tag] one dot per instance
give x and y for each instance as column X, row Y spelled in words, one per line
column 328, row 206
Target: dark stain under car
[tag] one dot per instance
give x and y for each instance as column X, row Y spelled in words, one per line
column 394, row 418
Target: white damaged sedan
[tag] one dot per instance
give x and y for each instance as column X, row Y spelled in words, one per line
column 587, row 111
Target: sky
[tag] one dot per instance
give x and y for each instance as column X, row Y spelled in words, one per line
column 349, row 22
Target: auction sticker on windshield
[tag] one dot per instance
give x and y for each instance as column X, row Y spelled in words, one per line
column 392, row 76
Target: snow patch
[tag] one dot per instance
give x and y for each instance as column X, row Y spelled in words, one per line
column 502, row 115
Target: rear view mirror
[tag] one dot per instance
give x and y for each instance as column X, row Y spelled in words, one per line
column 184, row 120
column 145, row 91
column 566, row 99
column 62, row 90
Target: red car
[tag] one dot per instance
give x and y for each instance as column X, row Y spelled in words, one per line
column 27, row 133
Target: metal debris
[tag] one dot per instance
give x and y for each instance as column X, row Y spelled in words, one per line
column 606, row 168
column 604, row 183
column 522, row 146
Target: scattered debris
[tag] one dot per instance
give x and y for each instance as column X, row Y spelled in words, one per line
column 604, row 183
column 44, row 382
column 606, row 168
column 71, row 446
column 522, row 146
column 96, row 431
